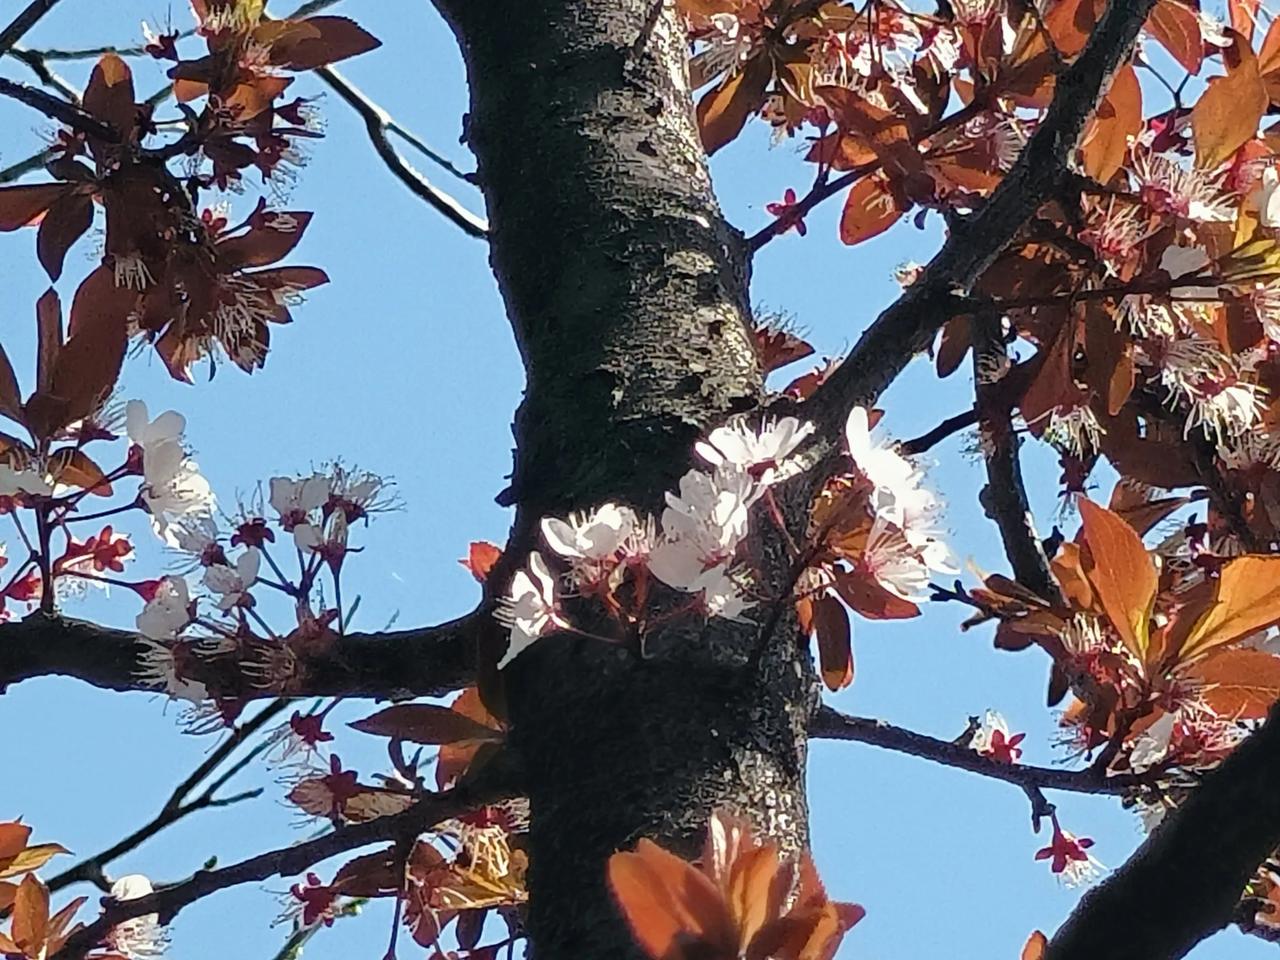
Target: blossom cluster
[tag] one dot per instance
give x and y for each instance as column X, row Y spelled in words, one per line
column 696, row 547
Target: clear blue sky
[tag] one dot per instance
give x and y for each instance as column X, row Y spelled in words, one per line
column 404, row 365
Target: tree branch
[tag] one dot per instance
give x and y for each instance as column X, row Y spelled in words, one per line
column 1005, row 496
column 908, row 326
column 428, row 661
column 949, row 426
column 378, row 123
column 58, row 109
column 829, row 724
column 1185, row 882
column 23, row 22
column 178, row 806
column 498, row 780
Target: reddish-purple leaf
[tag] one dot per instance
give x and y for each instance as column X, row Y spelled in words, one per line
column 21, row 206
column 425, row 723
column 109, row 96
column 65, row 223
column 316, row 41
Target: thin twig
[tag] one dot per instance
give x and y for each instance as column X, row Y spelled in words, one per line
column 498, row 781
column 23, row 22
column 830, row 724
column 58, row 109
column 949, row 426
column 178, row 806
column 1005, row 496
column 377, row 123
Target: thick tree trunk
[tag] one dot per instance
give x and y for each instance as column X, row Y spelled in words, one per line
column 628, row 295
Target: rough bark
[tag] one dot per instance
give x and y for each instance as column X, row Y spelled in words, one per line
column 627, row 292
column 425, row 662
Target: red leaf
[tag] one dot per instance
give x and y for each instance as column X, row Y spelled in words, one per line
column 1036, row 947
column 863, row 593
column 480, row 558
column 10, row 398
column 89, row 362
column 316, row 41
column 1177, row 27
column 835, row 648
column 426, row 723
column 724, row 110
column 271, row 236
column 1122, row 575
column 1244, row 16
column 869, row 210
column 22, row 206
column 65, row 223
column 777, row 348
column 49, row 337
column 109, row 95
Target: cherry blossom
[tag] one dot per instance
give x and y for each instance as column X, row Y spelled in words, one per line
column 993, row 740
column 150, row 434
column 295, row 500
column 358, row 493
column 1185, row 192
column 530, row 608
column 593, row 537
column 786, row 210
column 1267, row 197
column 173, row 491
column 1070, row 858
column 315, row 902
column 894, row 562
column 168, row 612
column 138, row 938
column 760, row 453
column 234, row 582
column 883, row 466
column 710, row 513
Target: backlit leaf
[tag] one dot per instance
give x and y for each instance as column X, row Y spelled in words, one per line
column 1118, row 117
column 1239, row 684
column 1247, row 600
column 1227, row 114
column 724, row 110
column 869, row 210
column 30, row 915
column 1177, row 27
column 1121, row 573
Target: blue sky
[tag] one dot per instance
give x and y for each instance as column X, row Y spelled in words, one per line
column 405, row 366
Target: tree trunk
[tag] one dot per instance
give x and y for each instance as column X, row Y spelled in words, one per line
column 627, row 292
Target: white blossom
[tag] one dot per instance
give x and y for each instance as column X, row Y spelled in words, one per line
column 168, row 612
column 151, row 434
column 1179, row 262
column 138, row 938
column 530, row 608
column 234, row 582
column 296, row 499
column 1151, row 747
column 895, row 563
column 761, row 453
column 593, row 536
column 711, row 512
